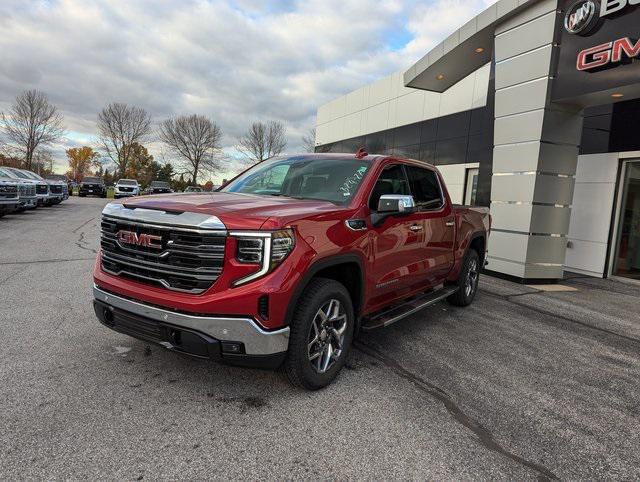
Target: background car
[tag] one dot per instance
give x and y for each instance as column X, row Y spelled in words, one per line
column 92, row 186
column 26, row 190
column 57, row 189
column 61, row 178
column 194, row 189
column 9, row 194
column 43, row 192
column 126, row 188
column 158, row 187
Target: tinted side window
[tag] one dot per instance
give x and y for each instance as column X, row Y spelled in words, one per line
column 424, row 187
column 391, row 181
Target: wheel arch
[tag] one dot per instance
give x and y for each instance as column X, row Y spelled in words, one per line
column 339, row 268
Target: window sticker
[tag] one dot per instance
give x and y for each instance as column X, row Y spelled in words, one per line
column 351, row 181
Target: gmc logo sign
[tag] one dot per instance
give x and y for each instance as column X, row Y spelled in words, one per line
column 602, row 55
column 145, row 240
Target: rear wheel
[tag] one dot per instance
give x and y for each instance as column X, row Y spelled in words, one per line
column 321, row 334
column 467, row 281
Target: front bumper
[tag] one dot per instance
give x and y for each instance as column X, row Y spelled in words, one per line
column 9, row 205
column 125, row 193
column 229, row 339
column 28, row 202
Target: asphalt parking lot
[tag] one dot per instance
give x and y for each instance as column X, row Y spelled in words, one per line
column 521, row 385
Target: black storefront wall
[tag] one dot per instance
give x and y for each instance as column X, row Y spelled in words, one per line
column 611, row 128
column 464, row 137
column 589, row 84
column 608, row 126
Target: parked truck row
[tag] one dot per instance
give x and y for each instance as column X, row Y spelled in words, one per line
column 21, row 190
column 286, row 264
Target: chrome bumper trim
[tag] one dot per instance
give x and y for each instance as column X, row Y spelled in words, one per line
column 256, row 340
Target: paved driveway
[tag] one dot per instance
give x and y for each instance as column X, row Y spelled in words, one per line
column 521, row 385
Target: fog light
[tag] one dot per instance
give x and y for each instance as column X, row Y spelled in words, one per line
column 232, row 347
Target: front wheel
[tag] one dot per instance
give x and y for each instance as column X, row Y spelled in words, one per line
column 321, row 334
column 467, row 281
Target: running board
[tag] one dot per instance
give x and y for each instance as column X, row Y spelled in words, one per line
column 397, row 312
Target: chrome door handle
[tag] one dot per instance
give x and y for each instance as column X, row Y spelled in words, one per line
column 449, row 223
column 415, row 227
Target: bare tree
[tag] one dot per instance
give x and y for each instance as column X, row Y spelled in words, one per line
column 196, row 139
column 309, row 140
column 263, row 141
column 32, row 122
column 120, row 126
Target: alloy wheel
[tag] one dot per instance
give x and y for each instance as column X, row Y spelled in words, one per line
column 472, row 278
column 326, row 336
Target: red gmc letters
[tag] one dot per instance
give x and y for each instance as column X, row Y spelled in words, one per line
column 608, row 53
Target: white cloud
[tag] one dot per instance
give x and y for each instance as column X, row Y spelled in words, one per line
column 233, row 61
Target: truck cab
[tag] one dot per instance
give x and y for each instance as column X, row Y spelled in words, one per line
column 289, row 261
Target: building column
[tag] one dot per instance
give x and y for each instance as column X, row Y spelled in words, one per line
column 535, row 150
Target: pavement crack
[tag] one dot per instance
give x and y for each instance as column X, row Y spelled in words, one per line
column 83, row 225
column 561, row 317
column 82, row 244
column 9, row 277
column 485, row 437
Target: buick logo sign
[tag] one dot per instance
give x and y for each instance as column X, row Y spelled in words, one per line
column 582, row 17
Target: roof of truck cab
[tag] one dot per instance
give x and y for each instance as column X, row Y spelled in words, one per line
column 368, row 157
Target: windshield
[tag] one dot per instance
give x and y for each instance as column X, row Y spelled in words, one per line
column 7, row 173
column 92, row 179
column 21, row 174
column 127, row 182
column 32, row 175
column 159, row 184
column 335, row 180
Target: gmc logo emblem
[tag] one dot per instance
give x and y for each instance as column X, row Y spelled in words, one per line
column 607, row 53
column 145, row 240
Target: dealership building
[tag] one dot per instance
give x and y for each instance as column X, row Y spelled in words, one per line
column 533, row 109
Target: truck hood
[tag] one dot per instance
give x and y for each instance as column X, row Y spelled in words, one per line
column 238, row 211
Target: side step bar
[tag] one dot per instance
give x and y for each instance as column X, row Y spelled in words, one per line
column 397, row 312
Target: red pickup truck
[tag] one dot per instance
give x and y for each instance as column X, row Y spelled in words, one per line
column 289, row 261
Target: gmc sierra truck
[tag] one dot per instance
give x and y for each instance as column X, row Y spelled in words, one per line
column 9, row 195
column 289, row 261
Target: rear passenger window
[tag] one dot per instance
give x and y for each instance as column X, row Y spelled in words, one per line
column 425, row 188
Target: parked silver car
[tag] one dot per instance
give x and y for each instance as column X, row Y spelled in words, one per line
column 43, row 193
column 26, row 189
column 9, row 195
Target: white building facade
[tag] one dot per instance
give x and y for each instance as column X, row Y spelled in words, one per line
column 530, row 108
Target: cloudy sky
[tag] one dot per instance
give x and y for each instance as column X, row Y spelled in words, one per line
column 234, row 61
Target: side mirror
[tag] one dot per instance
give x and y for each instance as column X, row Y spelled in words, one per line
column 392, row 204
column 395, row 203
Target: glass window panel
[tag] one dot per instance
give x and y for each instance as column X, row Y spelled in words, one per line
column 627, row 260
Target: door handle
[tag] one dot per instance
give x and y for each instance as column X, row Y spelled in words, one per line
column 449, row 223
column 415, row 227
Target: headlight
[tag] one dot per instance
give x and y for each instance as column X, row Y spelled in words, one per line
column 266, row 249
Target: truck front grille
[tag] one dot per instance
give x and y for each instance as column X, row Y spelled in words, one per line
column 27, row 190
column 56, row 189
column 42, row 189
column 179, row 259
column 8, row 191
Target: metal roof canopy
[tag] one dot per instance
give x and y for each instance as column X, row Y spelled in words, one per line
column 456, row 57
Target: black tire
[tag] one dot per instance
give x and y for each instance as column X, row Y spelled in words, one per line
column 467, row 282
column 300, row 370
